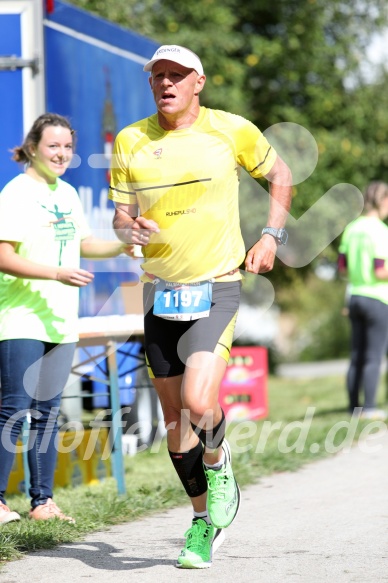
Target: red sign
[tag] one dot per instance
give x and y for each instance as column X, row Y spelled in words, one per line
column 243, row 392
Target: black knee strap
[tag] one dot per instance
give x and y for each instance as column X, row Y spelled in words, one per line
column 212, row 438
column 189, row 467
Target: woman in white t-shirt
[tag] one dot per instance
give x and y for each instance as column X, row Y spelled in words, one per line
column 43, row 234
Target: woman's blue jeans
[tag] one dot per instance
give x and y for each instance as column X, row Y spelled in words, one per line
column 33, row 376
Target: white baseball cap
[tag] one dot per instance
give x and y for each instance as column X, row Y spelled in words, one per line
column 177, row 54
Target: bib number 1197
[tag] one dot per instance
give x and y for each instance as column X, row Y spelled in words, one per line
column 177, row 301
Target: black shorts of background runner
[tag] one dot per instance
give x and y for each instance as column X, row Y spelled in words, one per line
column 168, row 343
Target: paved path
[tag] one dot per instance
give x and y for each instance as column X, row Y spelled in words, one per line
column 326, row 522
column 323, row 368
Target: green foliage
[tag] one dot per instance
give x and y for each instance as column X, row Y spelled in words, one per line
column 321, row 329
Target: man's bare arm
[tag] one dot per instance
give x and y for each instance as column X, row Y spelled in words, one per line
column 280, row 189
column 261, row 257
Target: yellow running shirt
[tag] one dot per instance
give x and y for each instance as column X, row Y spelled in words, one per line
column 187, row 182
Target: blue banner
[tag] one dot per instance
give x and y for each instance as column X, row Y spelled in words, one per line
column 11, row 91
column 95, row 77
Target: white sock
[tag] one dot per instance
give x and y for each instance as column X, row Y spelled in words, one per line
column 217, row 465
column 204, row 515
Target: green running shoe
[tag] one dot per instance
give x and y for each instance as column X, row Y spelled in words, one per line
column 202, row 540
column 223, row 493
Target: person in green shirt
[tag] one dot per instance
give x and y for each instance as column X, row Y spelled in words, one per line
column 363, row 256
column 43, row 234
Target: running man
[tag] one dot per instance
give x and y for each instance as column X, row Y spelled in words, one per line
column 174, row 182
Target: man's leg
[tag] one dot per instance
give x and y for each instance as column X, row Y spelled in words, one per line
column 186, row 453
column 183, row 445
column 200, row 390
column 171, row 348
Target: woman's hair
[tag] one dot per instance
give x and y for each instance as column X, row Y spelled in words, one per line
column 23, row 153
column 374, row 194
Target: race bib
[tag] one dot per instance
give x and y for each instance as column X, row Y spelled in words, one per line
column 182, row 301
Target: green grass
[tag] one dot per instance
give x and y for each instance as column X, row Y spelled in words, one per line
column 281, row 442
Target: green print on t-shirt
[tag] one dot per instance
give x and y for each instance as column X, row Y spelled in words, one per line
column 63, row 228
column 64, row 231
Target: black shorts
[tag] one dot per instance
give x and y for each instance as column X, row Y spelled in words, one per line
column 168, row 343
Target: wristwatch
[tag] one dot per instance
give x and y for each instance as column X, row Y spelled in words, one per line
column 280, row 235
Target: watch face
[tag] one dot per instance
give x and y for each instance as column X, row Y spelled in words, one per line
column 282, row 236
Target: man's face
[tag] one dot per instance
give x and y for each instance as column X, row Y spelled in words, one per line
column 175, row 88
